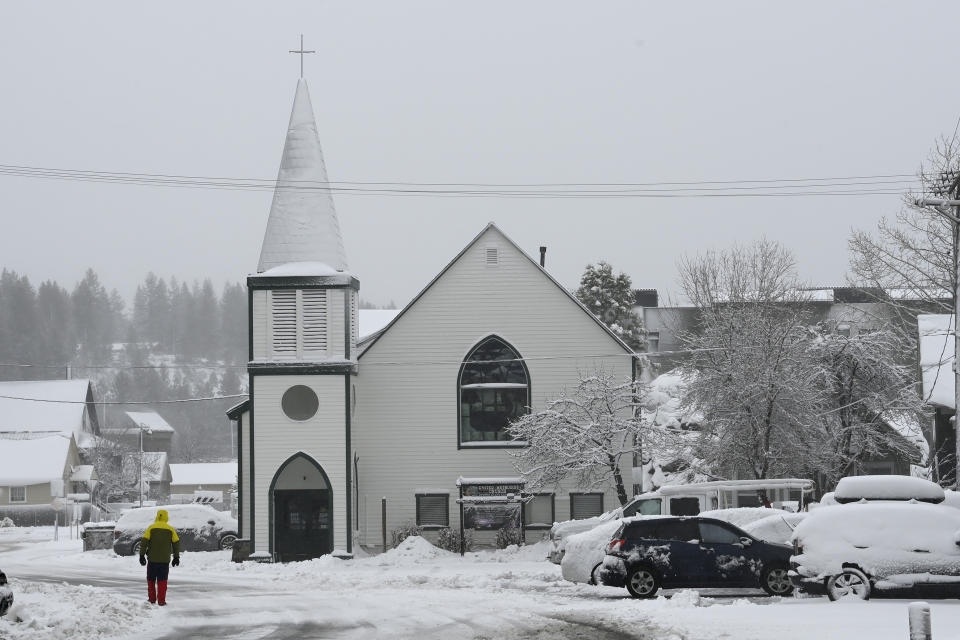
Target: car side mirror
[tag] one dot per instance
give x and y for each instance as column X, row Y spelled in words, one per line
column 745, row 541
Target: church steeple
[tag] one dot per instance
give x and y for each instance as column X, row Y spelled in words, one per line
column 303, row 225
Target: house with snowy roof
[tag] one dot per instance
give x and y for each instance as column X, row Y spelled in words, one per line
column 416, row 412
column 205, row 482
column 145, row 427
column 38, row 474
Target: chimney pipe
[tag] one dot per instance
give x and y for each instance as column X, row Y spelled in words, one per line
column 543, row 257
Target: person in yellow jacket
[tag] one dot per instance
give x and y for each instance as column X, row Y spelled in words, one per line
column 160, row 540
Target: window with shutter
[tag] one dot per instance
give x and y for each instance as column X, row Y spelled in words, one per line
column 538, row 512
column 433, row 510
column 284, row 317
column 314, row 314
column 585, row 505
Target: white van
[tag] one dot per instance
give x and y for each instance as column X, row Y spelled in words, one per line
column 690, row 500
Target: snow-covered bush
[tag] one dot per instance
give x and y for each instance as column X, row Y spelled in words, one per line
column 449, row 539
column 403, row 532
column 6, row 522
column 507, row 536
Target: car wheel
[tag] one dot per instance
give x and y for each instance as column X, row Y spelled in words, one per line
column 776, row 582
column 852, row 583
column 136, row 548
column 642, row 582
column 595, row 574
column 226, row 542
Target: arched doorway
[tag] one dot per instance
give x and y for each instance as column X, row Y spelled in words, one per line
column 301, row 510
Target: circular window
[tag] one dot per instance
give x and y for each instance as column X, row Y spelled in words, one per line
column 300, row 403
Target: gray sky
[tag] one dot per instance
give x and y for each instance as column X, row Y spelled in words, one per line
column 498, row 92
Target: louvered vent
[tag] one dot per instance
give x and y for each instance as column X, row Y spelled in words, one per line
column 353, row 321
column 493, row 256
column 284, row 316
column 314, row 321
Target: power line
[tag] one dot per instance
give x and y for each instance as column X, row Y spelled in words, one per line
column 131, row 402
column 878, row 184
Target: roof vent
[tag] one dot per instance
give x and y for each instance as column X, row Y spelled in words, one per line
column 493, row 256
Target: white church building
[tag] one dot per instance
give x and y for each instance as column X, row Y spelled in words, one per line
column 416, row 413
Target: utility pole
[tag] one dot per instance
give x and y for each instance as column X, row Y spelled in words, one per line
column 950, row 209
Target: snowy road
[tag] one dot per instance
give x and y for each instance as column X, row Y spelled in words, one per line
column 416, row 592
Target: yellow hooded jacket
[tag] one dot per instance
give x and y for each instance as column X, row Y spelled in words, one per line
column 160, row 540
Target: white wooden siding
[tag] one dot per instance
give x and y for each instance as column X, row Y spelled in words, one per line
column 277, row 438
column 259, row 326
column 405, row 431
column 244, row 488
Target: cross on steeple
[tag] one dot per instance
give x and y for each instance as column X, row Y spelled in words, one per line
column 301, row 52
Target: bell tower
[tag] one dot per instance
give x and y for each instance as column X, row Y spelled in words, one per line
column 303, row 335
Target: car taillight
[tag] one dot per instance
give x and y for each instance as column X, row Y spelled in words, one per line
column 615, row 545
column 116, row 533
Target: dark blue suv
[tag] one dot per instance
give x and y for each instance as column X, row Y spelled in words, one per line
column 653, row 552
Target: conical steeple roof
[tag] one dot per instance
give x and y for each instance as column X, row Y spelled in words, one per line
column 303, row 225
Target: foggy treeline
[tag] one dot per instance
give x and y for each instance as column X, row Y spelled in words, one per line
column 176, row 341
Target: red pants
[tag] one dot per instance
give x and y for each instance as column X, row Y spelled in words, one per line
column 157, row 573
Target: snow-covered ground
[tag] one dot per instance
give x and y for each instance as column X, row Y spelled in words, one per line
column 413, row 591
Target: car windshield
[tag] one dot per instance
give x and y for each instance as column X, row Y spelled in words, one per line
column 645, row 507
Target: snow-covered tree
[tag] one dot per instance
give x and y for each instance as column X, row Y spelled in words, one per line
column 752, row 383
column 610, row 297
column 589, row 435
column 862, row 390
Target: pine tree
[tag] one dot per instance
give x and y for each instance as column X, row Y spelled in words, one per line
column 610, row 298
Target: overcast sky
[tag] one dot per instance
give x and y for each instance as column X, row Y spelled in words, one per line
column 483, row 92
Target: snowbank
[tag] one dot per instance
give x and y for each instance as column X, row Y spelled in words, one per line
column 856, row 488
column 58, row 611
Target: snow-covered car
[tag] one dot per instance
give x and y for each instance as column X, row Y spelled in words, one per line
column 6, row 594
column 584, row 551
column 775, row 528
column 201, row 528
column 857, row 549
column 583, row 554
column 684, row 500
column 647, row 554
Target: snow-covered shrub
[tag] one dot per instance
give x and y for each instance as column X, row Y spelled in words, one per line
column 507, row 536
column 449, row 539
column 403, row 532
column 6, row 522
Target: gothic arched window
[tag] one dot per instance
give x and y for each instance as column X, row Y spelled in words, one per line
column 494, row 391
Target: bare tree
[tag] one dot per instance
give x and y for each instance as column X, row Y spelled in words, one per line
column 118, row 469
column 911, row 260
column 589, row 435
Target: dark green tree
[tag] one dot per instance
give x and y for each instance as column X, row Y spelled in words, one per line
column 610, row 297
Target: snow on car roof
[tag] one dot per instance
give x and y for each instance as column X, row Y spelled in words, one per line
column 181, row 515
column 854, row 488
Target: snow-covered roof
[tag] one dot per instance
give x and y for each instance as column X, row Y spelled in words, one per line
column 910, row 428
column 204, row 473
column 936, row 358
column 303, row 225
column 82, row 473
column 150, row 420
column 24, row 462
column 43, row 405
column 302, row 269
column 372, row 320
column 155, row 467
